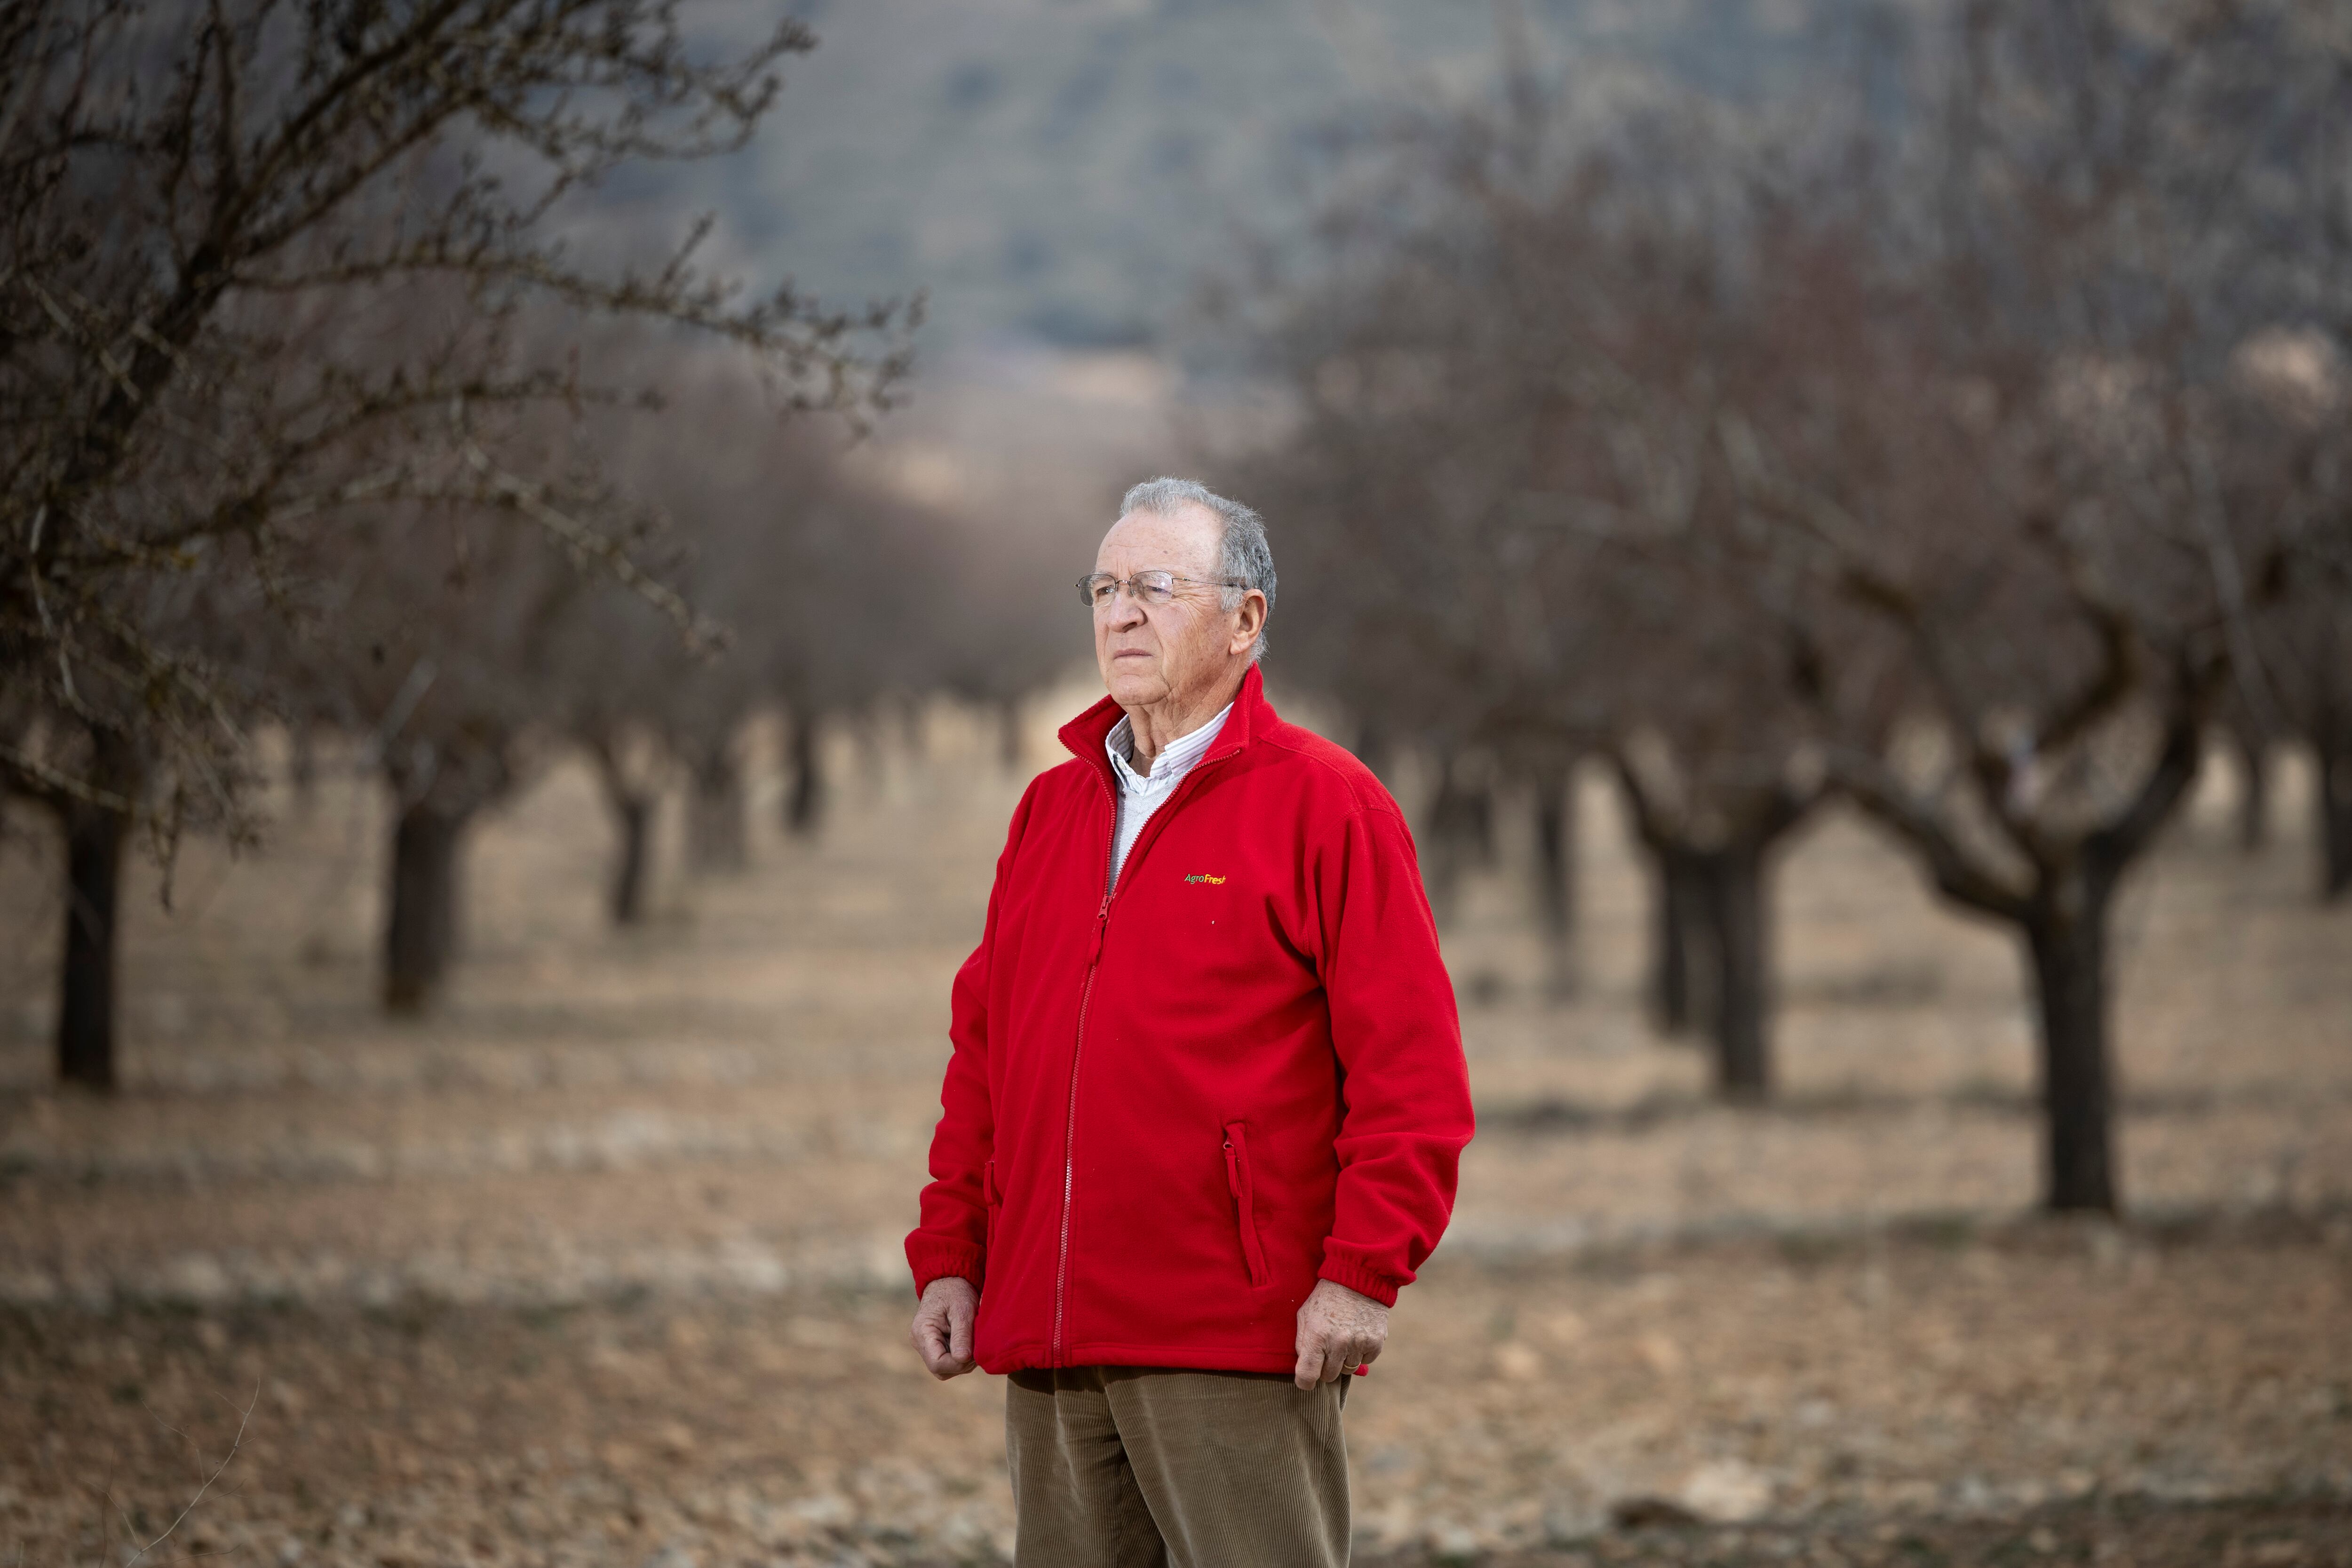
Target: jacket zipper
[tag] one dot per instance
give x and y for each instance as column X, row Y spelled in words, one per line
column 1078, row 1046
column 1086, row 995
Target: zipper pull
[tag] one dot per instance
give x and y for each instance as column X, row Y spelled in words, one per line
column 1102, row 910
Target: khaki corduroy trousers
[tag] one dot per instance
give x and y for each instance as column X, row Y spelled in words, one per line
column 1117, row 1467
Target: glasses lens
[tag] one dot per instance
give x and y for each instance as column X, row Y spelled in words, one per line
column 1156, row 587
column 1093, row 590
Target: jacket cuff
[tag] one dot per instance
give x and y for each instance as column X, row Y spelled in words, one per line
column 1361, row 1280
column 931, row 1258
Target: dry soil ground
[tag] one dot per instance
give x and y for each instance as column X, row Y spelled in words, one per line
column 599, row 1263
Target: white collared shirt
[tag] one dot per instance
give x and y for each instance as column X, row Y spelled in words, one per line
column 1140, row 795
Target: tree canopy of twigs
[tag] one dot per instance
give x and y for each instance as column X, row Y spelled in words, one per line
column 302, row 304
column 267, row 263
column 1958, row 454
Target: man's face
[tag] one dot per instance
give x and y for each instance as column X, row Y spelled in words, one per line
column 1181, row 649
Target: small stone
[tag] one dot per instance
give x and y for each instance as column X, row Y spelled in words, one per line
column 1650, row 1513
column 1727, row 1490
column 1516, row 1361
column 1657, row 1349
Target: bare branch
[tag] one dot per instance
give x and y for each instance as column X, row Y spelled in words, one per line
column 235, row 1443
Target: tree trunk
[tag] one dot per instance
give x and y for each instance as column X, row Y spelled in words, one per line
column 1372, row 749
column 715, row 840
column 2333, row 794
column 1733, row 880
column 634, row 816
column 1556, row 874
column 421, row 927
column 1741, row 927
column 1681, row 942
column 634, row 808
column 805, row 790
column 2066, row 942
column 302, row 769
column 914, row 731
column 94, row 841
column 1460, row 833
column 1711, row 963
column 2063, row 925
column 1010, row 747
column 2253, row 788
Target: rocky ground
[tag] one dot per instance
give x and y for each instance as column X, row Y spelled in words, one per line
column 599, row 1263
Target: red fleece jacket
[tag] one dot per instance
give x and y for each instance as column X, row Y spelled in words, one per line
column 1171, row 1109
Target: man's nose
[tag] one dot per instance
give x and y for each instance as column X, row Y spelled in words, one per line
column 1126, row 609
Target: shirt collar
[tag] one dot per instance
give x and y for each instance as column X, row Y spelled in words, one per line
column 1174, row 760
column 1251, row 715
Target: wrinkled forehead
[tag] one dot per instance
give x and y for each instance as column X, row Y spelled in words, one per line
column 1186, row 540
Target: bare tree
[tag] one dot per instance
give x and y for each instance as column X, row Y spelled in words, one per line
column 1997, row 434
column 444, row 661
column 1530, row 549
column 262, row 267
column 647, row 706
column 1914, row 425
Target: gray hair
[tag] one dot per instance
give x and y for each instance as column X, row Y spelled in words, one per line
column 1243, row 553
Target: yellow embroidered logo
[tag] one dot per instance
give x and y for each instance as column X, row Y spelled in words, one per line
column 1203, row 876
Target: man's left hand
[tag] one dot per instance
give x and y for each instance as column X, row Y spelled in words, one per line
column 1339, row 1329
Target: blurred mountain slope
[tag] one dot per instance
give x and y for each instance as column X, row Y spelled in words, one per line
column 1067, row 170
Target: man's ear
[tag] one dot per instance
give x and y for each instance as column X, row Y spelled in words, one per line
column 1252, row 612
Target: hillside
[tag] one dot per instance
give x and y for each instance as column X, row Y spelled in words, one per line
column 1068, row 170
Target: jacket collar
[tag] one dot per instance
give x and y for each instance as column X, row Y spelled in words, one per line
column 1086, row 734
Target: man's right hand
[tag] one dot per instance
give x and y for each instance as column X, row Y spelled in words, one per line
column 942, row 1328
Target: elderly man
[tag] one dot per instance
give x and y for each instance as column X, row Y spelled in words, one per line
column 1207, row 1094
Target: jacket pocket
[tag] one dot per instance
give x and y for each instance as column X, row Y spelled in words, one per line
column 992, row 1201
column 1237, row 1177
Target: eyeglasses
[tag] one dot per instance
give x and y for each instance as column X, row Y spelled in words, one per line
column 1097, row 589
